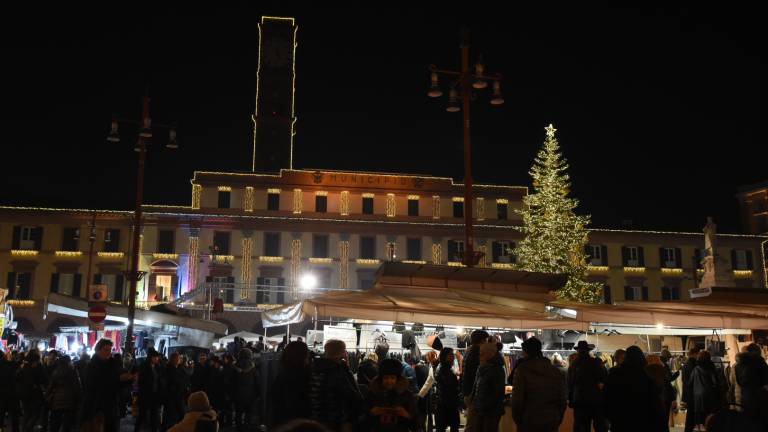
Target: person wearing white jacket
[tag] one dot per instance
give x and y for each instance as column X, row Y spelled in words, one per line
column 200, row 416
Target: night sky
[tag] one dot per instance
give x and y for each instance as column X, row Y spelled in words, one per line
column 659, row 112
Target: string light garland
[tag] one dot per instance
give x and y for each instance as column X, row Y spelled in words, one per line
column 671, row 271
column 480, row 206
column 505, row 266
column 742, row 274
column 344, row 203
column 295, row 266
column 68, row 254
column 437, row 253
column 554, row 236
column 436, row 207
column 245, row 269
column 248, row 200
column 166, row 256
column 390, row 205
column 297, row 201
column 367, row 261
column 24, row 252
column 110, row 254
column 316, row 260
column 224, row 189
column 271, row 259
column 194, row 259
column 344, row 264
column 634, row 270
column 197, row 190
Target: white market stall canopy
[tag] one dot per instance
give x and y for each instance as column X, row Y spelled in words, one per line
column 72, row 306
column 248, row 336
column 443, row 295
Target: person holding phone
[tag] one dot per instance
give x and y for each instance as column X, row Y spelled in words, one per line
column 391, row 405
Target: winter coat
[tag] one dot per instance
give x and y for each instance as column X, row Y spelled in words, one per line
column 661, row 378
column 64, row 389
column 469, row 370
column 708, row 390
column 366, row 372
column 448, row 389
column 751, row 378
column 190, row 422
column 632, row 400
column 176, row 385
column 217, row 388
column 585, row 375
column 488, row 395
column 200, row 376
column 400, row 396
column 333, row 395
column 101, row 389
column 150, row 383
column 686, row 371
column 8, row 371
column 410, row 374
column 245, row 382
column 539, row 395
column 30, row 382
column 290, row 396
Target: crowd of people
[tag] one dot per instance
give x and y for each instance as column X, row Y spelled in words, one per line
column 386, row 394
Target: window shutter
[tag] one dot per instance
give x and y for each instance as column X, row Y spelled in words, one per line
column 624, row 256
column 628, row 293
column 280, row 291
column 54, row 282
column 78, row 281
column 697, row 255
column 15, row 244
column 37, row 237
column 588, row 252
column 678, row 258
column 662, row 258
column 260, row 290
column 749, row 260
column 645, row 293
column 604, row 254
column 97, row 279
column 665, row 293
column 607, row 296
column 453, row 250
column 640, row 256
column 733, row 259
column 119, row 285
column 496, row 251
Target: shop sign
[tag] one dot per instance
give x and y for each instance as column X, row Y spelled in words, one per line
column 700, row 292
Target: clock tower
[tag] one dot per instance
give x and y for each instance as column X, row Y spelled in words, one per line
column 274, row 118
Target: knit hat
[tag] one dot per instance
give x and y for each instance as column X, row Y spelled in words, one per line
column 198, row 401
column 390, row 367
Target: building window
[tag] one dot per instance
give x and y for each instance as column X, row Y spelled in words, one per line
column 607, row 295
column 70, row 239
column 368, row 205
column 320, row 246
column 670, row 293
column 670, row 257
column 19, row 286
column 273, row 201
column 413, row 206
column 458, row 209
column 27, row 238
column 368, row 247
column 413, row 249
column 741, row 259
column 272, row 244
column 221, row 243
column 502, row 252
column 321, row 203
column 66, row 283
column 633, row 256
column 636, row 293
column 455, row 250
column 501, row 211
column 166, row 242
column 112, row 240
column 224, row 198
column 595, row 255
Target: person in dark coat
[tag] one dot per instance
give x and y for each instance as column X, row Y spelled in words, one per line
column 632, row 399
column 150, row 385
column 200, row 374
column 368, row 370
column 100, row 397
column 709, row 388
column 449, row 397
column 687, row 393
column 586, row 380
column 217, row 387
column 488, row 394
column 469, row 372
column 390, row 405
column 662, row 380
column 752, row 377
column 175, row 391
column 9, row 399
column 334, row 397
column 226, row 416
column 290, row 391
column 540, row 392
column 81, row 366
column 244, row 388
column 30, row 385
column 63, row 395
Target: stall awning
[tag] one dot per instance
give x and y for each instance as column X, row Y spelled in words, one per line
column 72, row 306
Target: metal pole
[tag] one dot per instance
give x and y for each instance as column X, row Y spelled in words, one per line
column 134, row 273
column 466, row 95
column 91, row 239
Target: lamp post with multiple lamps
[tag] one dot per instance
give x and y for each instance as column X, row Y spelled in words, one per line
column 143, row 138
column 467, row 81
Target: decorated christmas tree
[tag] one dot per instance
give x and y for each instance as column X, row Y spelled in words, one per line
column 555, row 236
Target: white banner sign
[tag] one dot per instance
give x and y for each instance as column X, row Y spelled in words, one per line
column 346, row 335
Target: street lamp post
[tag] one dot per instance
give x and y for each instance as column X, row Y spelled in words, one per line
column 465, row 78
column 134, row 275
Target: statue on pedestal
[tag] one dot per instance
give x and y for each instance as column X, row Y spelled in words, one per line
column 717, row 271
